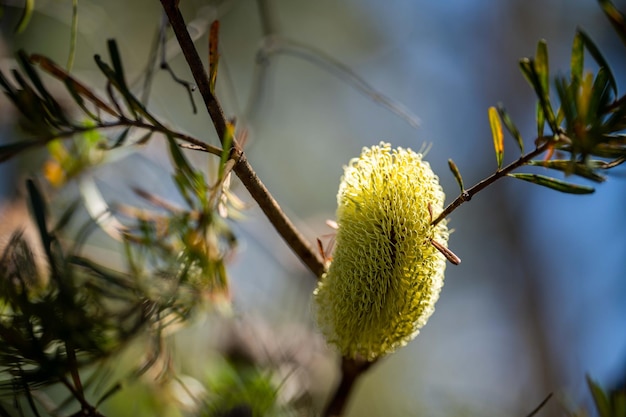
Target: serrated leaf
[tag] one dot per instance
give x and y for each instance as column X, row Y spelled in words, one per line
column 510, row 126
column 553, row 183
column 27, row 13
column 600, row 399
column 456, row 173
column 616, row 18
column 498, row 136
column 572, row 167
column 597, row 55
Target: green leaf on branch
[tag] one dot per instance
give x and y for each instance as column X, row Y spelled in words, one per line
column 558, row 185
column 600, row 399
column 617, row 19
column 577, row 60
column 544, row 108
column 510, row 126
column 498, row 136
column 582, row 169
column 599, row 58
column 542, row 67
column 456, row 173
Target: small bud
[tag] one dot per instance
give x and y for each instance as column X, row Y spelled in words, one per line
column 385, row 275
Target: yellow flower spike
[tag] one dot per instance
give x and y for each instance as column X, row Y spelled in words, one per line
column 385, row 276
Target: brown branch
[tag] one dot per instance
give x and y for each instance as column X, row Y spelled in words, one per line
column 296, row 241
column 195, row 65
column 351, row 370
column 467, row 195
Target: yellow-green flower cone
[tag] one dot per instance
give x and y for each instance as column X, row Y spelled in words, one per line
column 385, row 276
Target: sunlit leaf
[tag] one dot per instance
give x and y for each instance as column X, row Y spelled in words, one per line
column 498, row 136
column 510, row 126
column 456, row 173
column 553, row 183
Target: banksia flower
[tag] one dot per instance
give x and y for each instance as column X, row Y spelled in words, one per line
column 385, row 276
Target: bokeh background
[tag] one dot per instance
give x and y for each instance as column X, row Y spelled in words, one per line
column 540, row 298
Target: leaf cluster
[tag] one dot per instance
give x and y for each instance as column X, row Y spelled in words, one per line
column 585, row 135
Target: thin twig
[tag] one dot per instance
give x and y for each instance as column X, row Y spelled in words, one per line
column 298, row 243
column 191, row 142
column 470, row 192
column 195, row 65
column 540, row 406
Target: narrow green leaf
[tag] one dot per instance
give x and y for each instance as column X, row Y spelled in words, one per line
column 40, row 212
column 544, row 108
column 213, row 54
column 121, row 138
column 498, row 136
column 617, row 120
column 542, row 67
column 600, row 97
column 52, row 105
column 577, row 60
column 613, row 149
column 456, row 173
column 118, row 82
column 27, row 13
column 553, row 183
column 616, row 18
column 526, row 66
column 571, row 167
column 541, row 119
column 598, row 164
column 116, row 60
column 510, row 126
column 597, row 55
column 227, row 143
column 72, row 84
column 600, row 399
